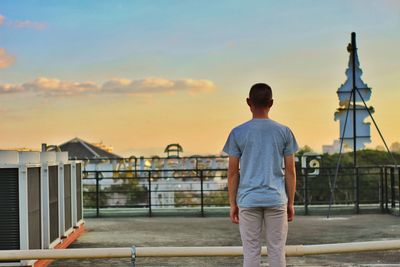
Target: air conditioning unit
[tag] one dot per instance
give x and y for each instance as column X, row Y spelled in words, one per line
column 63, row 200
column 53, row 199
column 40, row 201
column 70, row 178
column 65, row 171
column 21, row 225
column 77, row 197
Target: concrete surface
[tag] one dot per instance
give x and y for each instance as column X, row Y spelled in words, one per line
column 211, row 231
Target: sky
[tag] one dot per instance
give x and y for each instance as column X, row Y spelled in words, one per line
column 138, row 75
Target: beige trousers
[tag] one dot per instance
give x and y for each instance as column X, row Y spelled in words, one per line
column 251, row 221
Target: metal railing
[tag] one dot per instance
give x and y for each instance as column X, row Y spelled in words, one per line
column 202, row 191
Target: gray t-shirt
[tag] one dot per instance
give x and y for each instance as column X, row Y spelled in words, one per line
column 261, row 145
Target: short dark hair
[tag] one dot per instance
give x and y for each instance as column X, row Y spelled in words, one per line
column 260, row 95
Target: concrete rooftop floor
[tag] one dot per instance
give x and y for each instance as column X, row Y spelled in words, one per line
column 219, row 231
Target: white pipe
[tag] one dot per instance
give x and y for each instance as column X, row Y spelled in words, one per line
column 347, row 247
column 291, row 251
column 188, row 251
column 83, row 253
column 297, row 250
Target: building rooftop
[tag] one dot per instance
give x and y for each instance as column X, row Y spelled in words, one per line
column 80, row 149
column 219, row 231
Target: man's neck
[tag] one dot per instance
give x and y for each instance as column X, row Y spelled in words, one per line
column 260, row 114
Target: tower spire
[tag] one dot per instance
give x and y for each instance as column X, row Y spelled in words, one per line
column 356, row 128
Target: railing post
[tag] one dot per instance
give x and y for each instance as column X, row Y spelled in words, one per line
column 357, row 184
column 97, row 195
column 392, row 189
column 381, row 188
column 202, row 193
column 398, row 185
column 306, row 192
column 386, row 192
column 149, row 192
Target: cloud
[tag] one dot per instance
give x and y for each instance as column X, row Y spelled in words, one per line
column 23, row 24
column 55, row 87
column 148, row 86
column 10, row 88
column 5, row 59
column 196, row 86
column 154, row 85
column 27, row 24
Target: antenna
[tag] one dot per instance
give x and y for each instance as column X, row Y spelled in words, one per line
column 352, row 49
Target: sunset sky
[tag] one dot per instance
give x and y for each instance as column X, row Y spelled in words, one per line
column 138, row 75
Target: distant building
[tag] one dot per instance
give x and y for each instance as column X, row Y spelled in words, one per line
column 344, row 113
column 173, row 150
column 80, row 149
column 170, row 175
column 95, row 157
column 335, row 148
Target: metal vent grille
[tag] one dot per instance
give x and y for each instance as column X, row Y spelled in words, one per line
column 53, row 202
column 34, row 209
column 9, row 209
column 79, row 191
column 67, row 196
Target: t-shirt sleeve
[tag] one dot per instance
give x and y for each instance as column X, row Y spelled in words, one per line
column 231, row 146
column 291, row 145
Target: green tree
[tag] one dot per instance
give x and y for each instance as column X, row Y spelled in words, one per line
column 304, row 149
column 395, row 147
column 218, row 198
column 90, row 197
column 319, row 186
column 128, row 187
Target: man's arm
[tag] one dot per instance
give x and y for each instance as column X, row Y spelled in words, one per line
column 233, row 183
column 290, row 181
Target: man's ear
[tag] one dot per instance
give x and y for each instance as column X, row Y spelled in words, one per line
column 271, row 103
column 248, row 102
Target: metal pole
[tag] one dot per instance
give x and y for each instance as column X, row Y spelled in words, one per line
column 392, row 189
column 149, row 192
column 202, row 193
column 381, row 199
column 353, row 91
column 136, row 175
column 97, row 195
column 306, row 191
column 357, row 203
column 386, row 192
column 377, row 128
column 133, row 256
column 339, row 159
column 353, row 57
column 398, row 173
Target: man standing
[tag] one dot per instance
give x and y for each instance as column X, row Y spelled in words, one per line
column 264, row 192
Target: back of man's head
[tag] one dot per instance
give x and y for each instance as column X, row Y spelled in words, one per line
column 260, row 95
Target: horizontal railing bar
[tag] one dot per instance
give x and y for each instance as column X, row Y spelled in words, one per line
column 371, row 167
column 154, row 178
column 153, row 158
column 216, row 251
column 157, row 170
column 160, row 191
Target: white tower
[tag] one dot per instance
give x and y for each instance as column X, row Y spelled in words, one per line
column 346, row 108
